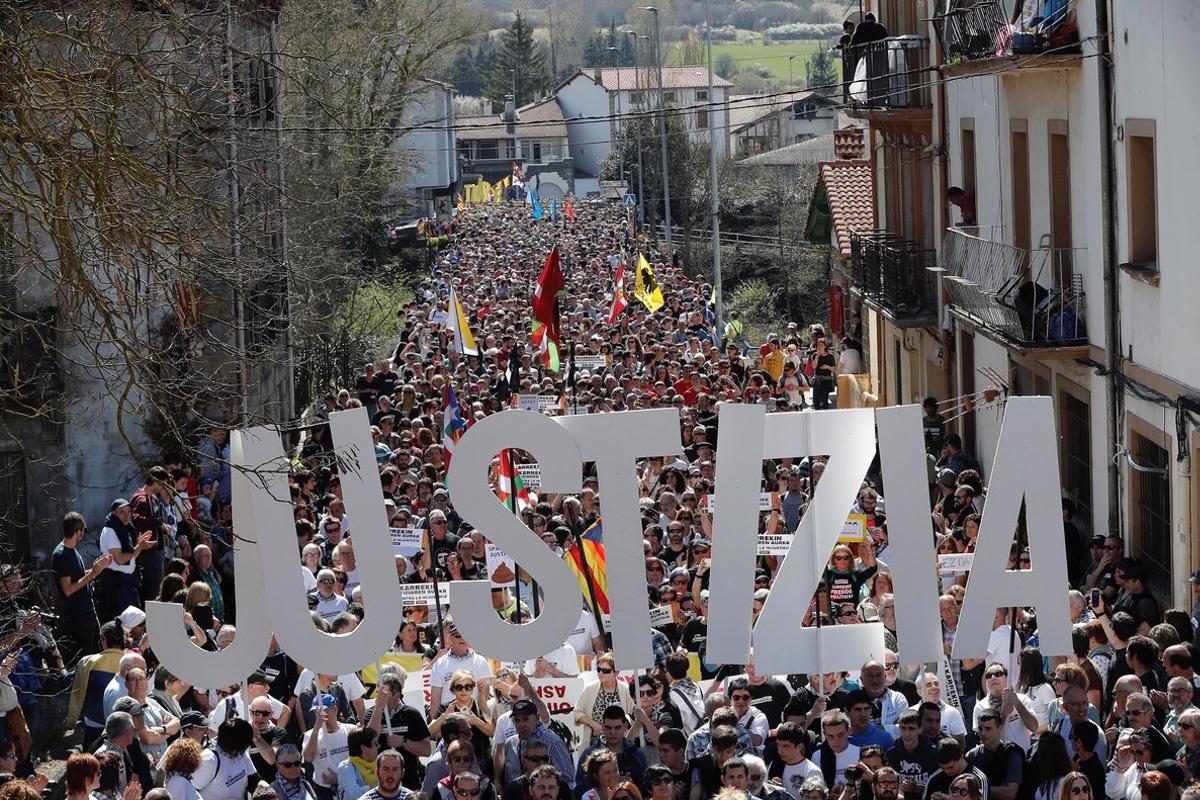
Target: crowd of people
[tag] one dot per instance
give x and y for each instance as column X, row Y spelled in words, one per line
column 1113, row 719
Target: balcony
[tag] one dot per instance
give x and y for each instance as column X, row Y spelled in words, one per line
column 973, row 33
column 892, row 274
column 1027, row 300
column 888, row 75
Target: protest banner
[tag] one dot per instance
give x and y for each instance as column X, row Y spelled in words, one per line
column 502, row 570
column 955, row 562
column 406, row 541
column 590, row 362
column 664, row 615
column 530, row 474
column 421, row 594
column 855, row 529
column 409, row 662
column 764, row 502
column 775, row 544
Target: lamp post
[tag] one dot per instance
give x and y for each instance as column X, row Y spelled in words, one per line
column 619, row 137
column 641, row 186
column 714, row 197
column 790, row 59
column 662, row 125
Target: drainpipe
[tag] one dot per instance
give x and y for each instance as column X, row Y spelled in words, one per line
column 1112, row 273
column 1180, row 588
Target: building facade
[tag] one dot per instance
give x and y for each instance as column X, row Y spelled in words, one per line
column 1063, row 270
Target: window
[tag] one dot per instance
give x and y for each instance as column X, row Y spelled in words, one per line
column 1075, row 434
column 1019, row 138
column 486, row 149
column 1152, row 510
column 636, row 98
column 1060, row 202
column 1142, row 167
column 668, row 97
column 968, row 154
column 702, row 95
column 702, row 118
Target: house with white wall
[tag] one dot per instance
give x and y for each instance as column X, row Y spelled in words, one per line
column 760, row 123
column 596, row 102
column 488, row 146
column 430, row 152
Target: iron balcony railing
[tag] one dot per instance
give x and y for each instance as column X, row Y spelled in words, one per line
column 893, row 272
column 888, row 74
column 1029, row 298
column 972, row 29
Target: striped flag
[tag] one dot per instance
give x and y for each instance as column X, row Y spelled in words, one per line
column 453, row 424
column 509, row 483
column 456, row 323
column 619, row 300
column 586, row 558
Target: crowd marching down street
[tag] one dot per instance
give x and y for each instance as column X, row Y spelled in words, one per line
column 574, row 313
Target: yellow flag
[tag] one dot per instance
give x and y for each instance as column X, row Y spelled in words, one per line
column 456, row 323
column 645, row 287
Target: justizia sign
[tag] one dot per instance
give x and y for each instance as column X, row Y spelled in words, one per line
column 1026, row 468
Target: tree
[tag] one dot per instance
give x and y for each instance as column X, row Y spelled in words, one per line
column 726, row 65
column 598, row 54
column 823, row 73
column 520, row 59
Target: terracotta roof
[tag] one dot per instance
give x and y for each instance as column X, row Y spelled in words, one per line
column 627, row 78
column 809, row 151
column 848, row 188
column 539, row 120
column 848, row 143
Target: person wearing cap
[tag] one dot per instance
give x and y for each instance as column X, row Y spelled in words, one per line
column 233, row 704
column 118, row 538
column 527, row 715
column 194, row 725
column 138, row 757
column 80, row 631
column 326, row 745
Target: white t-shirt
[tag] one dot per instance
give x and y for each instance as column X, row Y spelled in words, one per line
column 998, row 653
column 310, row 580
column 585, row 631
column 1014, row 729
column 110, row 541
column 562, row 659
column 332, row 749
column 952, row 720
column 239, row 710
column 441, row 670
column 351, row 685
column 330, row 607
column 222, row 776
column 846, row 758
column 180, row 787
column 794, row 776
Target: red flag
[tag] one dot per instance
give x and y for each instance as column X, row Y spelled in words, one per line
column 570, row 211
column 619, row 302
column 545, row 332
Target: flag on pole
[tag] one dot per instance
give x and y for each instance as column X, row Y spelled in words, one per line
column 518, row 177
column 538, row 211
column 458, row 202
column 453, row 424
column 645, row 287
column 586, row 559
column 545, row 333
column 619, row 302
column 456, row 323
column 510, row 484
column 570, row 209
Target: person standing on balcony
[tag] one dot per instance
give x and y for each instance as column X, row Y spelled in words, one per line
column 869, row 30
column 965, row 200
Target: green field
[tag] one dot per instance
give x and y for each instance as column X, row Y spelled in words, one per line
column 749, row 55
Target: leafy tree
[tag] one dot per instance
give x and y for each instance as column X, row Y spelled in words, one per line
column 520, row 56
column 597, row 54
column 726, row 65
column 823, row 73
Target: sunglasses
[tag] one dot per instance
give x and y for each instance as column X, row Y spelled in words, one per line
column 847, row 613
column 605, row 670
column 462, row 687
column 327, row 582
column 995, row 674
column 468, row 792
column 538, row 759
column 892, row 665
column 288, row 764
column 258, row 713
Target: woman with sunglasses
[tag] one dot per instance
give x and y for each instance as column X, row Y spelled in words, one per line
column 596, row 697
column 462, row 687
column 464, row 781
column 1075, row 786
column 1189, row 737
column 843, row 581
column 966, row 786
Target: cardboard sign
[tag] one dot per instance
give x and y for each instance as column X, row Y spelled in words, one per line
column 416, row 690
column 855, row 529
column 590, row 362
column 421, row 594
column 530, row 474
column 764, row 502
column 775, row 544
column 410, row 662
column 664, row 615
column 502, row 570
column 955, row 562
column 536, row 402
column 406, row 541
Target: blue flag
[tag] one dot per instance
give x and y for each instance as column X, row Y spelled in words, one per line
column 554, row 209
column 538, row 211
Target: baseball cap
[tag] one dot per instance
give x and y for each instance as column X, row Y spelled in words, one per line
column 524, row 708
column 323, row 701
column 120, row 502
column 131, row 617
column 258, row 677
column 193, row 719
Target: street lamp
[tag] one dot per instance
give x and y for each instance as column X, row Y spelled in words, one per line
column 637, row 84
column 714, row 197
column 662, row 125
column 619, row 137
column 790, row 58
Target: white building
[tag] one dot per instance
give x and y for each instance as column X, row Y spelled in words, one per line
column 488, row 146
column 760, row 123
column 596, row 100
column 429, row 151
column 1074, row 280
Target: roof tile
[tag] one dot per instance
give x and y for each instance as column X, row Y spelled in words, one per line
column 848, row 187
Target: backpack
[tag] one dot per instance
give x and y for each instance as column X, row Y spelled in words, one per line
column 562, row 732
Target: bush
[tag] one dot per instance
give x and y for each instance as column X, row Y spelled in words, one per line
column 805, row 30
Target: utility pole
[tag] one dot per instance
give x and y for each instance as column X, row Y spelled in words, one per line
column 662, row 125
column 791, row 58
column 714, row 196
